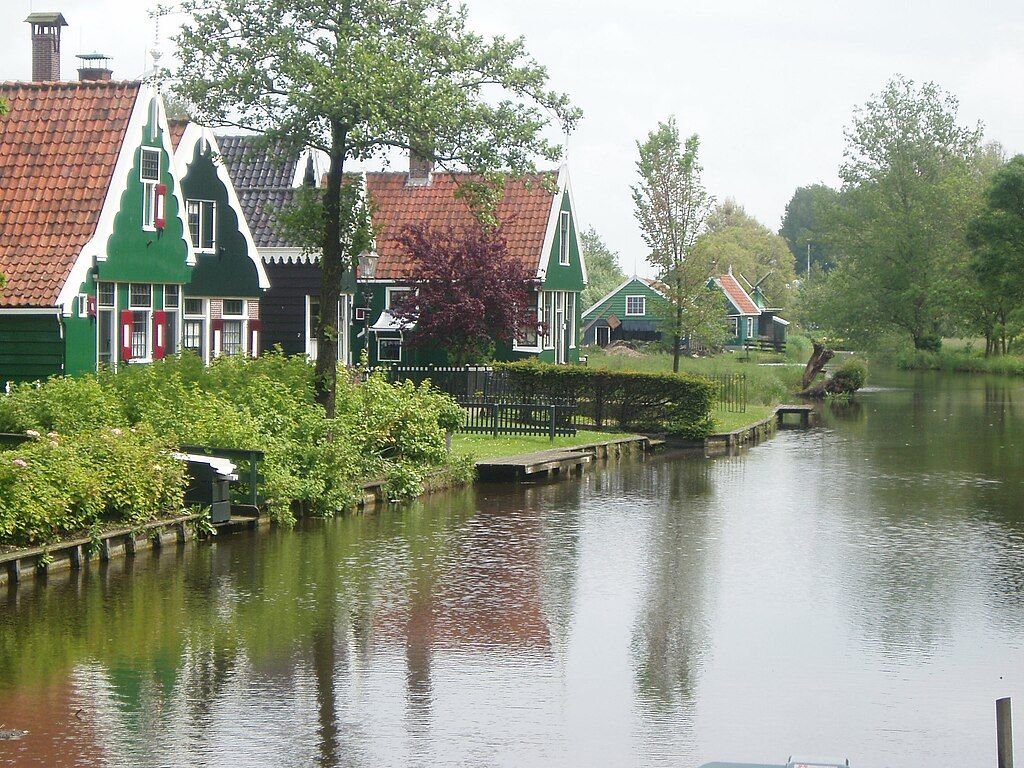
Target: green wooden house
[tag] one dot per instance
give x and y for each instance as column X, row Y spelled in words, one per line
column 94, row 242
column 540, row 230
column 631, row 312
column 219, row 312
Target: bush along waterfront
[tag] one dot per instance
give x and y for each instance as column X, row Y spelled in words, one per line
column 674, row 403
column 101, row 449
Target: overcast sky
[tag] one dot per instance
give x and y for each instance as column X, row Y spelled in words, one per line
column 768, row 86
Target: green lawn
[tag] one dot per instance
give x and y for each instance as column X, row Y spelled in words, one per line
column 487, row 447
column 727, row 422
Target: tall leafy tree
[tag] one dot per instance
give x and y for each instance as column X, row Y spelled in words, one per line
column 909, row 189
column 734, row 238
column 356, row 78
column 672, row 206
column 996, row 236
column 470, row 293
column 604, row 274
column 803, row 227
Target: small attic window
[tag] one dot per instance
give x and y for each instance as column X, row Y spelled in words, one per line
column 563, row 239
column 150, row 164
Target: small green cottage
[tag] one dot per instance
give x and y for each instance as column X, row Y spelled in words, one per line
column 631, row 312
column 94, row 243
column 540, row 230
column 219, row 312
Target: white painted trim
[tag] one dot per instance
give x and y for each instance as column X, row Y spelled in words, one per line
column 552, row 228
column 288, row 256
column 31, row 310
column 539, row 346
column 96, row 247
column 564, row 171
column 183, row 158
column 321, row 164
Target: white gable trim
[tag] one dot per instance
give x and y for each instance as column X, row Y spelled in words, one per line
column 288, row 256
column 183, row 158
column 608, row 295
column 552, row 228
column 96, row 249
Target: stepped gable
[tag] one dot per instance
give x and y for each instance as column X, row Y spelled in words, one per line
column 58, row 148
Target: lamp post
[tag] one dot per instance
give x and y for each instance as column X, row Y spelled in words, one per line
column 808, row 261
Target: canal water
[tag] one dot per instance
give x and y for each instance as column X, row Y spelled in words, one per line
column 855, row 590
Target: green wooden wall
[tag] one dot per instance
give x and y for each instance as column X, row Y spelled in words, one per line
column 229, row 272
column 31, row 347
column 616, row 303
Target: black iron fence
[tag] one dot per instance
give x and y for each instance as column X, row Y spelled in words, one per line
column 519, row 419
column 730, row 391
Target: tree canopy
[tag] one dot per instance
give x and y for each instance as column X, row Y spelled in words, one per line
column 357, row 78
column 470, row 293
column 736, row 239
column 604, row 274
column 803, row 225
column 910, row 183
column 672, row 207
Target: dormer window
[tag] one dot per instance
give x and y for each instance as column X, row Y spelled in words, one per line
column 202, row 224
column 149, row 174
column 563, row 239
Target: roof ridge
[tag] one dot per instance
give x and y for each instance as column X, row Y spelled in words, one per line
column 38, row 85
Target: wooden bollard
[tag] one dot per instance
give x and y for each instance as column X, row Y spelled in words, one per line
column 1004, row 733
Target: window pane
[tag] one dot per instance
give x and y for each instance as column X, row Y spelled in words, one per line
column 389, row 350
column 194, row 307
column 194, row 221
column 140, row 295
column 105, row 294
column 563, row 239
column 140, row 335
column 231, row 341
column 171, row 338
column 172, row 294
column 208, row 240
column 106, row 336
column 150, row 164
column 194, row 335
column 234, row 307
column 149, row 204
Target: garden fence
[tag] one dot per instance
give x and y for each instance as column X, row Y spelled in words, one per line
column 730, row 391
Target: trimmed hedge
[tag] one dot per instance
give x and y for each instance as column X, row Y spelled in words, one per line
column 676, row 403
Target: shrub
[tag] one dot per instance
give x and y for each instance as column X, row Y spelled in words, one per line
column 62, row 404
column 850, row 376
column 680, row 403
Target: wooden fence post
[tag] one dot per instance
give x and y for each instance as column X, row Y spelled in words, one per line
column 494, row 420
column 552, row 425
column 1004, row 733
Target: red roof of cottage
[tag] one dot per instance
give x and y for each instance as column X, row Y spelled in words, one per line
column 177, row 127
column 738, row 296
column 58, row 148
column 524, row 210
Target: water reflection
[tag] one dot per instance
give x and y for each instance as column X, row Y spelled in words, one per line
column 854, row 589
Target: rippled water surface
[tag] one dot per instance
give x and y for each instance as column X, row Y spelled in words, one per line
column 853, row 590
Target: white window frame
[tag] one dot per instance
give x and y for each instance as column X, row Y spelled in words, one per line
column 197, row 236
column 173, row 311
column 203, row 316
column 734, row 325
column 108, row 310
column 549, row 320
column 607, row 335
column 643, row 306
column 311, row 346
column 147, row 311
column 570, row 317
column 149, row 201
column 390, row 291
column 538, row 315
column 750, row 327
column 401, row 347
column 564, row 232
column 242, row 319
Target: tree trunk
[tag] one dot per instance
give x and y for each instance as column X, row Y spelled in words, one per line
column 332, row 266
column 819, row 358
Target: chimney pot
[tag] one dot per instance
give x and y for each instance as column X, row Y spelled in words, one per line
column 46, row 28
column 421, row 168
column 94, row 67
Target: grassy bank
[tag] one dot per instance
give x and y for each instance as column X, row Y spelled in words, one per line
column 961, row 361
column 727, row 422
column 480, row 447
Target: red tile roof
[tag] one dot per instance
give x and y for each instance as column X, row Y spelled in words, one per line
column 177, row 126
column 524, row 210
column 738, row 296
column 58, row 148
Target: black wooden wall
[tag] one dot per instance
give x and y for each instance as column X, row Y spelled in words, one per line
column 283, row 306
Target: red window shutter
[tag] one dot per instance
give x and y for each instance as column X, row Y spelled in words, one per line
column 159, row 335
column 161, row 206
column 126, row 334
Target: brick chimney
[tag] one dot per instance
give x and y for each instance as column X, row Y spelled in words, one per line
column 421, row 168
column 46, row 45
column 94, row 67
